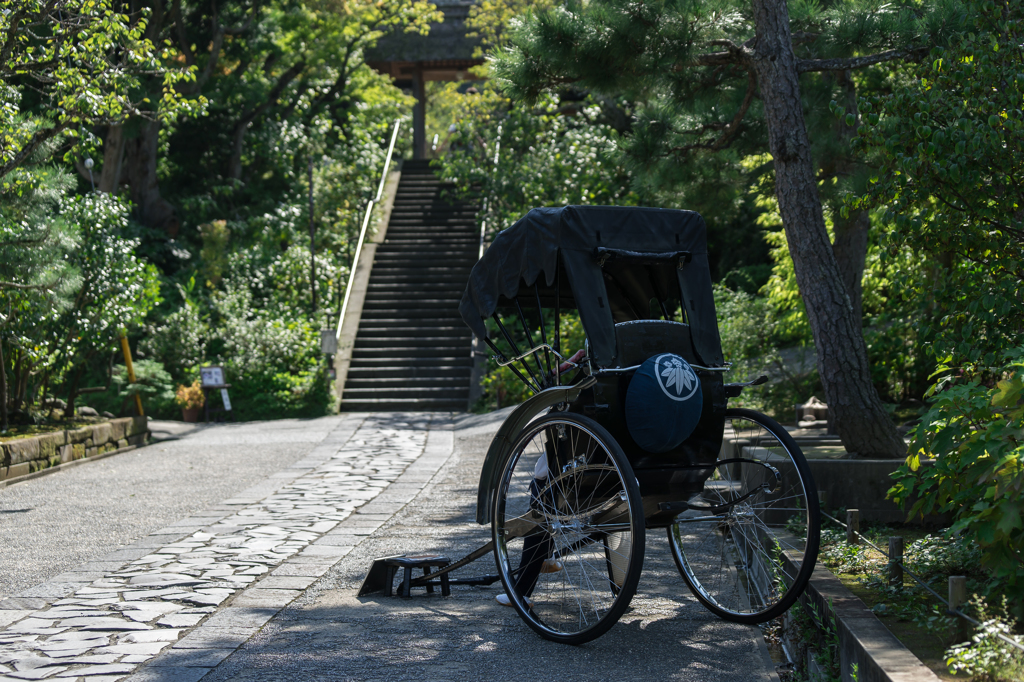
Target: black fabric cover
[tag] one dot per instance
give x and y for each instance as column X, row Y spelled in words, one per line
column 529, row 252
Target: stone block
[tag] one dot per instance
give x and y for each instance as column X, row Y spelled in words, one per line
column 77, row 450
column 139, row 424
column 105, row 448
column 137, row 439
column 49, row 444
column 79, row 435
column 24, row 450
column 67, row 453
column 119, row 428
column 101, row 434
column 122, row 443
column 91, row 451
column 15, row 470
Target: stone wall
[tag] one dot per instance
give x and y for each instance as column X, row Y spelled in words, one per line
column 28, row 455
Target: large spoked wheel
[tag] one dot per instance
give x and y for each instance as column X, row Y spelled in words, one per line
column 568, row 528
column 748, row 544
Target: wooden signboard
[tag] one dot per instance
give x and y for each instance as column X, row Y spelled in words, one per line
column 213, row 378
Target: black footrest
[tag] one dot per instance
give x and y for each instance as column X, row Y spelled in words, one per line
column 408, row 563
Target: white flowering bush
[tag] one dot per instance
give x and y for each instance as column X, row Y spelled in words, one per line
column 988, row 657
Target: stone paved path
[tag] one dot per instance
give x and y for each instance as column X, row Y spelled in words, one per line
column 180, row 575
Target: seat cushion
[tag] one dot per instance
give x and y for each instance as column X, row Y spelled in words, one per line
column 663, row 403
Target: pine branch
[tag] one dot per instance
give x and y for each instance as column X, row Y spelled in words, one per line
column 23, row 287
column 729, row 130
column 845, row 63
column 38, row 138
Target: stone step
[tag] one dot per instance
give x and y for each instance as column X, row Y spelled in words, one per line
column 404, row 404
column 443, row 345
column 431, row 370
column 421, row 269
column 458, row 383
column 424, row 277
column 414, row 363
column 436, row 318
column 399, row 354
column 440, row 392
column 388, row 301
column 406, row 328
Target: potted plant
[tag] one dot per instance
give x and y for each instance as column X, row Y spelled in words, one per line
column 191, row 400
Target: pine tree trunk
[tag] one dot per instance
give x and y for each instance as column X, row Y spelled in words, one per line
column 854, row 407
column 850, row 248
column 141, row 153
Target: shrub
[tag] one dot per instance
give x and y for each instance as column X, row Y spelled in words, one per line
column 973, row 429
column 152, row 383
column 190, row 397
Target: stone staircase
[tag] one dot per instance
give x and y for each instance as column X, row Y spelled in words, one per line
column 412, row 350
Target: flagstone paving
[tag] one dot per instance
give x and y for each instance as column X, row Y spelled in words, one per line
column 184, row 573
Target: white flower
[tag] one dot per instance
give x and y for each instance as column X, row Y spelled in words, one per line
column 677, row 375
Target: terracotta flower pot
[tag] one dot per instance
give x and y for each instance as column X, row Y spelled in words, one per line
column 190, row 414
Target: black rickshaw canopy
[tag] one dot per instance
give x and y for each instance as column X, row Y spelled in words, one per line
column 613, row 264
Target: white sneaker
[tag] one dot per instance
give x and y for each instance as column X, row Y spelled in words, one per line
column 505, row 601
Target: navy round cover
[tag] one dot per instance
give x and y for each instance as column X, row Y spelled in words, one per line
column 663, row 403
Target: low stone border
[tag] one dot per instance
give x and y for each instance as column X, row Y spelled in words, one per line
column 27, row 457
column 864, row 641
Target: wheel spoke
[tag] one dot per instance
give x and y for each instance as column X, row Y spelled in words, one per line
column 588, row 493
column 735, row 565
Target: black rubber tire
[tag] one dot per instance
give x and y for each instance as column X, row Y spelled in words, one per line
column 574, row 510
column 707, row 552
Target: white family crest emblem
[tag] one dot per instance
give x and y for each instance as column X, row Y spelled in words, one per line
column 675, row 377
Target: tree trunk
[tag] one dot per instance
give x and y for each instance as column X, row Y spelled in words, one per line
column 3, row 388
column 850, row 248
column 113, row 157
column 850, row 245
column 69, row 409
column 862, row 423
column 141, row 152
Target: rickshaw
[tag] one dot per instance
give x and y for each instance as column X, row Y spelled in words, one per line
column 630, row 433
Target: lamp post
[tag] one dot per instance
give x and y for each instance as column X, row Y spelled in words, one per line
column 88, row 166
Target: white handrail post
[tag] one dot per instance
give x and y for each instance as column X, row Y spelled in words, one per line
column 362, row 232
column 483, row 223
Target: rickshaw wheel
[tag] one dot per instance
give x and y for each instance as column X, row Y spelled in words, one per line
column 749, row 563
column 586, row 514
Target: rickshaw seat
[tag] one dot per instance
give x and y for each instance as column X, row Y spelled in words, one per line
column 638, row 340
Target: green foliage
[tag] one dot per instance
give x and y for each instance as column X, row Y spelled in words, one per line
column 152, row 383
column 987, row 657
column 948, row 147
column 503, row 388
column 973, row 430
column 756, row 340
column 87, row 62
column 271, row 353
column 118, row 289
column 179, row 340
column 546, row 157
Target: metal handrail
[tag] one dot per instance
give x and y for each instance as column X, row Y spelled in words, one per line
column 362, row 232
column 483, row 223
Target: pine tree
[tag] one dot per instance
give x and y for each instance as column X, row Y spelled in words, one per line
column 704, row 71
